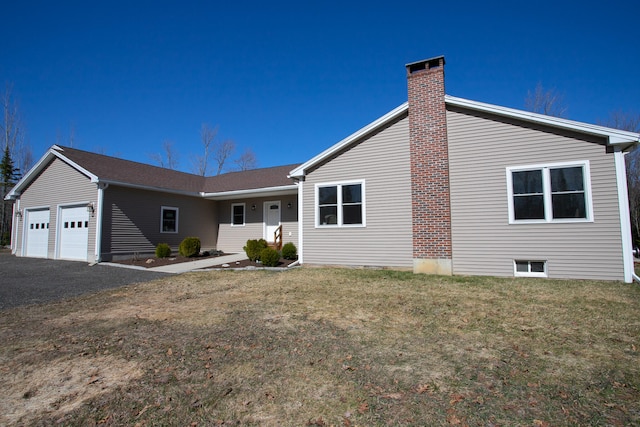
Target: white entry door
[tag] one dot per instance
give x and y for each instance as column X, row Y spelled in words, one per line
column 271, row 219
column 74, row 233
column 37, row 230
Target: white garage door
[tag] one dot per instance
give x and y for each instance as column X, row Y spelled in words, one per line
column 74, row 233
column 37, row 233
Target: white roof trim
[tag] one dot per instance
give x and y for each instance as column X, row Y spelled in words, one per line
column 54, row 151
column 238, row 194
column 392, row 115
column 147, row 187
column 614, row 136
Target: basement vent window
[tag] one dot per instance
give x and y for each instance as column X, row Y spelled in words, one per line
column 524, row 268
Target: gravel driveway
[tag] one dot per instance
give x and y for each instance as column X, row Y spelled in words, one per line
column 33, row 281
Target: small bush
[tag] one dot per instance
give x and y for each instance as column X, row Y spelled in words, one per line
column 289, row 251
column 269, row 257
column 189, row 247
column 163, row 250
column 254, row 248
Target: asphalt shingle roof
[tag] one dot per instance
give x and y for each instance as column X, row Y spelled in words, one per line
column 115, row 170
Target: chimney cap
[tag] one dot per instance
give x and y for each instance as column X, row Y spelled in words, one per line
column 425, row 64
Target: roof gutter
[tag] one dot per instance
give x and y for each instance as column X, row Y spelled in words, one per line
column 146, row 187
column 284, row 189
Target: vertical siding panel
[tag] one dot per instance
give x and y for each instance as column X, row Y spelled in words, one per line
column 60, row 184
column 382, row 160
column 484, row 243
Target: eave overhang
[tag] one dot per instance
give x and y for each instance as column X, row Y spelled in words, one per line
column 613, row 137
column 301, row 170
column 254, row 192
column 622, row 139
column 40, row 166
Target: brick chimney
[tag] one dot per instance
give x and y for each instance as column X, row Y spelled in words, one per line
column 429, row 167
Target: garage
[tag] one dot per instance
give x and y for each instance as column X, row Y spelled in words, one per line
column 37, row 230
column 74, row 233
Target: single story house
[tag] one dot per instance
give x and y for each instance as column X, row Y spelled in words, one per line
column 439, row 185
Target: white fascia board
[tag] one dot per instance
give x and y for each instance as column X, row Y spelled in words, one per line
column 255, row 192
column 39, row 167
column 300, row 171
column 147, row 187
column 92, row 177
column 614, row 136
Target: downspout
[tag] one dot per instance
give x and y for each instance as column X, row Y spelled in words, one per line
column 98, row 249
column 15, row 225
column 625, row 218
column 299, row 183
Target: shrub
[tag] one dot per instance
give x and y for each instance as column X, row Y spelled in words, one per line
column 189, row 247
column 163, row 250
column 269, row 257
column 254, row 248
column 289, row 251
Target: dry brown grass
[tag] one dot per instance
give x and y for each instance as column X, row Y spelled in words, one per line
column 327, row 347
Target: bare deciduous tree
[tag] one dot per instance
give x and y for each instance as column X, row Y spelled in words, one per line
column 207, row 138
column 13, row 133
column 168, row 158
column 213, row 151
column 630, row 122
column 548, row 102
column 247, row 160
column 223, row 151
column 14, row 162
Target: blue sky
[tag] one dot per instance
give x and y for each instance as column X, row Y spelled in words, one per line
column 289, row 79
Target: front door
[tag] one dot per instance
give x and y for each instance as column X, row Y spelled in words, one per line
column 271, row 219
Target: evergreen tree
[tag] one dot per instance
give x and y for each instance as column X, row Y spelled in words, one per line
column 9, row 172
column 9, row 175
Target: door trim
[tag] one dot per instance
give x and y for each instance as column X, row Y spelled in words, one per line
column 265, row 211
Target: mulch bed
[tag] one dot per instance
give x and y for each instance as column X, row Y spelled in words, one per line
column 149, row 262
column 246, row 263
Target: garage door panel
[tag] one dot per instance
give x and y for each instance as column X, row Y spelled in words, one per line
column 37, row 234
column 74, row 233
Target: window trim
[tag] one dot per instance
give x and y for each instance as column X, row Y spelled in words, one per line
column 546, row 191
column 529, row 273
column 339, row 185
column 244, row 214
column 169, row 208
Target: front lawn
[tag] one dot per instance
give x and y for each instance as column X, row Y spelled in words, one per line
column 321, row 347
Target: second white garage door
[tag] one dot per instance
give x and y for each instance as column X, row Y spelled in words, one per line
column 74, row 233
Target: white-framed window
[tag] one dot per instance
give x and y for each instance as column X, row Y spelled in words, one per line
column 340, row 204
column 168, row 219
column 526, row 268
column 237, row 214
column 557, row 192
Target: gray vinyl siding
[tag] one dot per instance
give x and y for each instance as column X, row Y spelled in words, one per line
column 59, row 185
column 132, row 221
column 484, row 243
column 382, row 161
column 231, row 239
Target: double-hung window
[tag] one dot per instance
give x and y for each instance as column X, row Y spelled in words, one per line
column 550, row 193
column 169, row 220
column 237, row 214
column 340, row 204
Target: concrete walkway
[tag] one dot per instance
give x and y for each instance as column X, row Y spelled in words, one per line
column 183, row 267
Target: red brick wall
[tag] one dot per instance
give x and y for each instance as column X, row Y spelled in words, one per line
column 429, row 160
